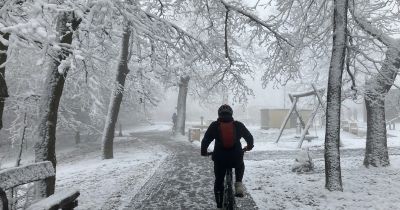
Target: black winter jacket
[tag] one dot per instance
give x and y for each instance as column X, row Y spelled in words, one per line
column 234, row 155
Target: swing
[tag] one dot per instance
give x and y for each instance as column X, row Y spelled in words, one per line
column 294, row 98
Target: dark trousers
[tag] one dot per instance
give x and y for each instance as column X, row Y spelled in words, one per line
column 220, row 170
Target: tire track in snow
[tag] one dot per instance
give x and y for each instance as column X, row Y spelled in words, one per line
column 131, row 187
column 120, row 199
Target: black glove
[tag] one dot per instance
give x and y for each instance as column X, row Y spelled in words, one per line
column 203, row 153
column 248, row 147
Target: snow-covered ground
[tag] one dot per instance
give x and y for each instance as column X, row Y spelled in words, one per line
column 143, row 170
column 273, row 185
column 149, row 128
column 264, row 140
column 107, row 184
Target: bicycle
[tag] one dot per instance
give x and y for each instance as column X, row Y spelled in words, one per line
column 228, row 201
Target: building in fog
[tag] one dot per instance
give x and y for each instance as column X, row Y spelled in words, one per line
column 273, row 118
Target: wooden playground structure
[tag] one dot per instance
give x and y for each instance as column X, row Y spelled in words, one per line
column 294, row 98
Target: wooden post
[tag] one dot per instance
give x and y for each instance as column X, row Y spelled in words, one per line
column 305, row 131
column 297, row 113
column 286, row 119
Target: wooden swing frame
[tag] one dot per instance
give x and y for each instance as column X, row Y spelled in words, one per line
column 294, row 98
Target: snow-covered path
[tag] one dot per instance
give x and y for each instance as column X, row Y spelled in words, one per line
column 183, row 181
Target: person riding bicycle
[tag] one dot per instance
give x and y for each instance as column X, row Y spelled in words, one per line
column 228, row 152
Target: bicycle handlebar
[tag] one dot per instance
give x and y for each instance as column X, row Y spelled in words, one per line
column 243, row 149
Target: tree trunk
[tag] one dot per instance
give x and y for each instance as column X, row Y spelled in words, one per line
column 333, row 177
column 181, row 107
column 376, row 152
column 116, row 97
column 49, row 102
column 3, row 84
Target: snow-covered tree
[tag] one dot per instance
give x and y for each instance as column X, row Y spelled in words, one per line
column 378, row 57
column 3, row 86
column 231, row 29
column 7, row 12
column 58, row 66
column 236, row 29
column 166, row 44
column 334, row 100
column 371, row 53
column 116, row 96
column 181, row 105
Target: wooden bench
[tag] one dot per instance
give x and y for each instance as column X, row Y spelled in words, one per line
column 345, row 125
column 353, row 128
column 202, row 127
column 13, row 177
column 194, row 134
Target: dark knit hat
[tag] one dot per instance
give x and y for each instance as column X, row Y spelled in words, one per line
column 225, row 110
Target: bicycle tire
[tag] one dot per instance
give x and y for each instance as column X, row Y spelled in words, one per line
column 229, row 197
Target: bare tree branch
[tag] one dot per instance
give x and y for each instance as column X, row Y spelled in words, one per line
column 348, row 60
column 226, row 38
column 257, row 20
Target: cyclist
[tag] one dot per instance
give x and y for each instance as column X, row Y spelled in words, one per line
column 228, row 152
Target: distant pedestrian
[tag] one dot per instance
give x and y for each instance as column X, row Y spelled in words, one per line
column 174, row 119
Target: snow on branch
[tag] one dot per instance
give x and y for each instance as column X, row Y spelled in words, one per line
column 226, row 38
column 348, row 61
column 372, row 30
column 193, row 41
column 257, row 20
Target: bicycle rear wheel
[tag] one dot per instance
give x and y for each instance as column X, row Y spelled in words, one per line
column 229, row 197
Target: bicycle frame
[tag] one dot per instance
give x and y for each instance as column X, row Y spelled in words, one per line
column 229, row 202
column 229, row 197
